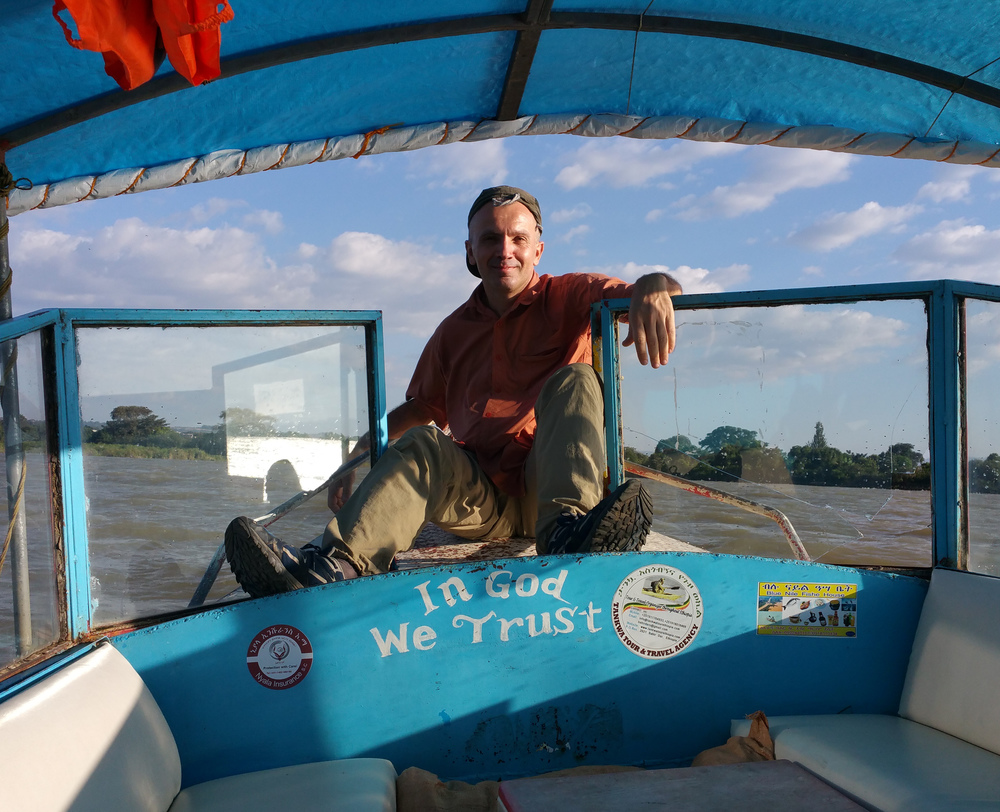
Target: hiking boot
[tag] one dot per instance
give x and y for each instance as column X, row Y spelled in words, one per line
column 619, row 523
column 265, row 565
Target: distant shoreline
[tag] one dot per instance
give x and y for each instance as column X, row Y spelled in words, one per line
column 148, row 452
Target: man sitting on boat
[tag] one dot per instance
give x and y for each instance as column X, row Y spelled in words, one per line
column 509, row 373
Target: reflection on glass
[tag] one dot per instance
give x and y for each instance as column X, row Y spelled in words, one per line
column 186, row 428
column 982, row 390
column 28, row 568
column 818, row 411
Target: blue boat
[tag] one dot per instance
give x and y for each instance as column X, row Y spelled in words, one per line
column 879, row 679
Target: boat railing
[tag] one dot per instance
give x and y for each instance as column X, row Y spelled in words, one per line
column 701, row 489
column 114, row 541
column 208, row 409
column 891, row 382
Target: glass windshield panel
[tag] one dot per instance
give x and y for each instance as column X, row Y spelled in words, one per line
column 982, row 321
column 818, row 411
column 29, row 613
column 186, row 428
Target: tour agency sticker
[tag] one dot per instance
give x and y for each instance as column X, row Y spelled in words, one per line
column 279, row 657
column 657, row 611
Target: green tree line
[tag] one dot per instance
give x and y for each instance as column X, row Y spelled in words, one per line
column 730, row 453
column 726, row 453
column 136, row 431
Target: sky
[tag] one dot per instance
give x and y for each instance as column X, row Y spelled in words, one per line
column 387, row 232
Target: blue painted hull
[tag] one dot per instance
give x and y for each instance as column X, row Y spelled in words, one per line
column 419, row 674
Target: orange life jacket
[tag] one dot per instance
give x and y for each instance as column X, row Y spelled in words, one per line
column 190, row 31
column 125, row 33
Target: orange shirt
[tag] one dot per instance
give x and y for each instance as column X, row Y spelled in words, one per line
column 481, row 374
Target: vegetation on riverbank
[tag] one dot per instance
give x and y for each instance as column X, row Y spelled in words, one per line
column 729, row 453
column 146, row 452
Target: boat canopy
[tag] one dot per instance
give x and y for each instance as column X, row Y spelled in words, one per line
column 305, row 81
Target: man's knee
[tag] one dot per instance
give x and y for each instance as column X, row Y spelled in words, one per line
column 420, row 438
column 579, row 380
column 427, row 445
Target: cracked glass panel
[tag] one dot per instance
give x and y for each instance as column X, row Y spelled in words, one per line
column 186, row 428
column 819, row 412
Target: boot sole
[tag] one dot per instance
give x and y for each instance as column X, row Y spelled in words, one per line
column 626, row 524
column 257, row 568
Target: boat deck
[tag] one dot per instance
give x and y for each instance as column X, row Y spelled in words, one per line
column 435, row 547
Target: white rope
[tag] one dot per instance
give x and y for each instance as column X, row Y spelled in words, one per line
column 227, row 163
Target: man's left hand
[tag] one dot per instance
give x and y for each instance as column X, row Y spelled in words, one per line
column 651, row 319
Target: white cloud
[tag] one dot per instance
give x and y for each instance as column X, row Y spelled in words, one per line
column 844, row 228
column 270, row 222
column 212, row 208
column 132, row 263
column 621, row 162
column 954, row 249
column 135, row 264
column 693, row 280
column 578, row 212
column 953, row 186
column 573, row 233
column 415, row 285
column 653, row 215
column 795, row 340
column 462, row 165
column 775, row 172
column 364, row 254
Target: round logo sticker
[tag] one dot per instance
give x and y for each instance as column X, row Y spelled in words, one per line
column 279, row 657
column 657, row 611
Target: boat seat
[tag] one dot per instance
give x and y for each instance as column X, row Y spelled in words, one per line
column 90, row 737
column 354, row 783
column 942, row 750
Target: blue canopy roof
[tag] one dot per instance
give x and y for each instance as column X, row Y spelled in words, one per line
column 294, row 72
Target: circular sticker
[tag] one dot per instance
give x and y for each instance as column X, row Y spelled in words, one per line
column 657, row 611
column 279, row 657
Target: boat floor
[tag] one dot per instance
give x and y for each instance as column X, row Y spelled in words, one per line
column 435, row 547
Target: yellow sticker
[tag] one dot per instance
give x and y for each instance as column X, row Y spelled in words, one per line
column 800, row 609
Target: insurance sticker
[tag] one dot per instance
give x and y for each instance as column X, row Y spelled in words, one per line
column 279, row 657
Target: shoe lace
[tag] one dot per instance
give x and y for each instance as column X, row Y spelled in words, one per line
column 570, row 527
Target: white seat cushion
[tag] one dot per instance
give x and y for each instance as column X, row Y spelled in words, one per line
column 88, row 738
column 889, row 763
column 356, row 784
column 951, row 681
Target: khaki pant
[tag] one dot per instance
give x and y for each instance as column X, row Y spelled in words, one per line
column 426, row 477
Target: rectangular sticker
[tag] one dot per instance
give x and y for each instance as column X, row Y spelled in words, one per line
column 807, row 610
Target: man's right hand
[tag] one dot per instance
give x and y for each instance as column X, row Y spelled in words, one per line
column 403, row 417
column 339, row 491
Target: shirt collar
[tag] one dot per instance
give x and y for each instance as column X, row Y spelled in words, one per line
column 481, row 305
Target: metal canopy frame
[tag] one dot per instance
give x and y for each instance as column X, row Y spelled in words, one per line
column 528, row 26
